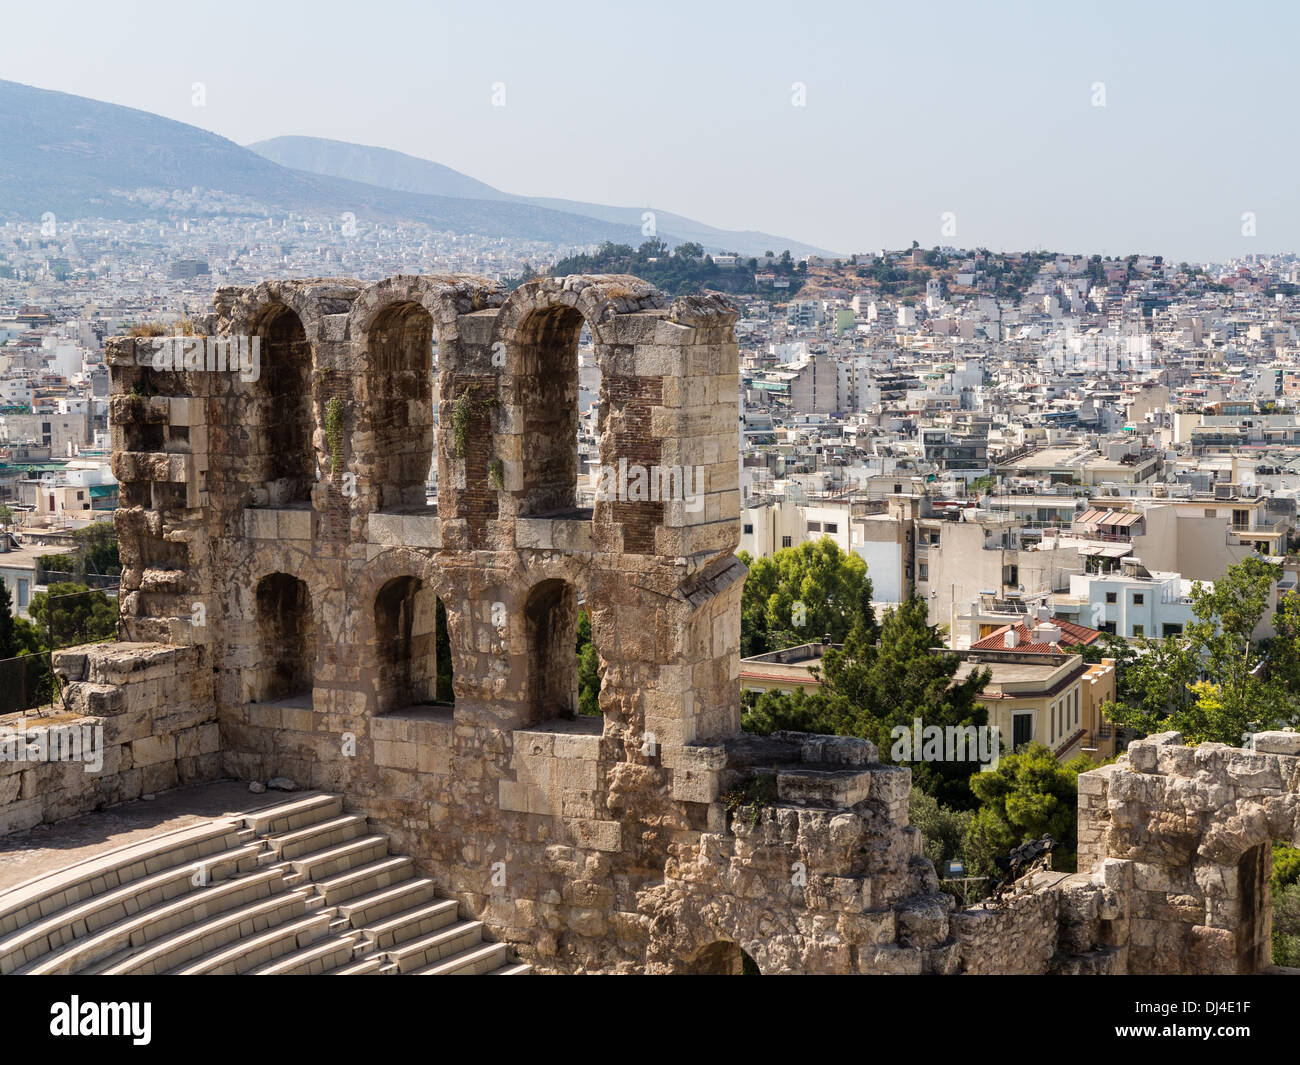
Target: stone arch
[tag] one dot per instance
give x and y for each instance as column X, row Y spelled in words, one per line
column 550, row 617
column 406, row 653
column 286, row 628
column 283, row 420
column 445, row 296
column 409, row 333
column 695, row 935
column 400, row 411
column 1234, row 863
column 540, row 326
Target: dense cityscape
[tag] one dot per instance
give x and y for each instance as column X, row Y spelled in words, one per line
column 406, row 574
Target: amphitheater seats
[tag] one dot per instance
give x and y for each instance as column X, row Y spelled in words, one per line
column 297, row 888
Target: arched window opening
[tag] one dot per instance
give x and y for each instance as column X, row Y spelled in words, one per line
column 548, row 381
column 287, row 632
column 286, row 415
column 402, row 406
column 551, row 618
column 413, row 651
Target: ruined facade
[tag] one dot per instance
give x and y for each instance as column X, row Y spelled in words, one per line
column 283, row 589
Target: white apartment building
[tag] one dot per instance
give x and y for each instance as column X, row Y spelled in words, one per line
column 1132, row 602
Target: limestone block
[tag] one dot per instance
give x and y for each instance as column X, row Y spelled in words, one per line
column 825, row 787
column 153, row 750
column 598, row 835
column 294, row 524
column 585, row 748
column 400, row 755
column 1287, row 743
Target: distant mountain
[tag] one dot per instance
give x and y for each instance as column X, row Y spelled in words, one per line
column 406, row 173
column 78, row 158
column 374, row 166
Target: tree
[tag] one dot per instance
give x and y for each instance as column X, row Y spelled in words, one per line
column 1207, row 682
column 444, row 692
column 8, row 639
column 1286, row 926
column 1030, row 794
column 943, row 830
column 95, row 552
column 25, row 678
column 1284, row 649
column 898, row 679
column 69, row 614
column 588, row 669
column 798, row 595
column 887, row 676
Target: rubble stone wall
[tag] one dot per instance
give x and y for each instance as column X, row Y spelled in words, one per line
column 152, row 721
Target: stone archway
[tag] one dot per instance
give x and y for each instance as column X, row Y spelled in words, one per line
column 285, row 422
column 287, row 631
column 401, row 404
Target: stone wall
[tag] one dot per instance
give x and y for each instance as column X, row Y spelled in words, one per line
column 281, row 573
column 1194, row 827
column 154, row 725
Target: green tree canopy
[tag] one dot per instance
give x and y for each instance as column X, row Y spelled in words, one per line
column 69, row 614
column 588, row 669
column 799, row 595
column 1209, row 682
column 1029, row 794
column 887, row 676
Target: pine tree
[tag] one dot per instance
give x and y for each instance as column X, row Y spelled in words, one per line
column 8, row 638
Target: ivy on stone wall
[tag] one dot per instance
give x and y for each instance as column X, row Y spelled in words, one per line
column 334, row 431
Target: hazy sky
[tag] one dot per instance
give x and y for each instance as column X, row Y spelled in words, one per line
column 911, row 110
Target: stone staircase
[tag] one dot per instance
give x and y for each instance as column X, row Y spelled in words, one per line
column 296, row 888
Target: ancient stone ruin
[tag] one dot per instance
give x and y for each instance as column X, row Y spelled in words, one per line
column 286, row 588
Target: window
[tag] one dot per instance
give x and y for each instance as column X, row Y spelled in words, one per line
column 814, row 526
column 749, row 530
column 898, row 488
column 24, row 591
column 832, row 527
column 81, row 495
column 1076, row 706
column 287, row 628
column 923, row 572
column 785, row 541
column 1139, row 630
column 1171, row 628
column 1139, row 598
column 1210, row 512
column 1110, row 597
column 1107, row 626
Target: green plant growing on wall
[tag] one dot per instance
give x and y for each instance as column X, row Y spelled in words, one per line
column 334, row 431
column 750, row 798
column 461, row 411
column 497, row 474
